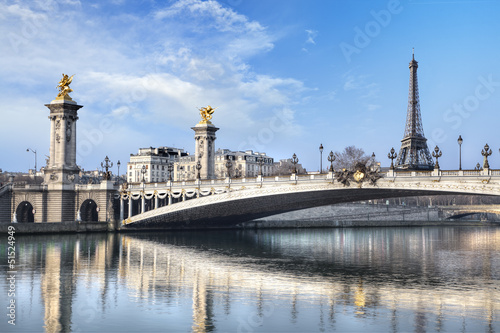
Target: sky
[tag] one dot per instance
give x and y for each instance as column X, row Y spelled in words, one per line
column 284, row 75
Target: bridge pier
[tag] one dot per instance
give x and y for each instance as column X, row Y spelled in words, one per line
column 143, row 203
column 156, row 200
column 129, row 206
column 121, row 208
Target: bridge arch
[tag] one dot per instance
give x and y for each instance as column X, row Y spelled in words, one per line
column 228, row 209
column 25, row 212
column 88, row 211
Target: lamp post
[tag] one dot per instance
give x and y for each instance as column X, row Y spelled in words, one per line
column 106, row 165
column 118, row 164
column 198, row 167
column 331, row 158
column 486, row 152
column 460, row 141
column 392, row 155
column 229, row 165
column 170, row 168
column 295, row 160
column 143, row 201
column 260, row 160
column 320, row 158
column 34, row 152
column 143, row 171
column 437, row 154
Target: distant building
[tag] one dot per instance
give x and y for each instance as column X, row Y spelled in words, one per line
column 243, row 164
column 155, row 162
column 286, row 167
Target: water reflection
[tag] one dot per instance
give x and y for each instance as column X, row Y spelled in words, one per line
column 391, row 279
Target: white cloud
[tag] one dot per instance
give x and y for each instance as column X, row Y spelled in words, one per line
column 311, row 35
column 145, row 74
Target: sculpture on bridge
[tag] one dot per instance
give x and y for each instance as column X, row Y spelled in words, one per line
column 206, row 114
column 64, row 88
column 360, row 174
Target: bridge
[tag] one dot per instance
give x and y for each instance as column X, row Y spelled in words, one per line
column 225, row 202
column 458, row 211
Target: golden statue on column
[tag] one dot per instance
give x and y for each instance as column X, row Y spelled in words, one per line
column 206, row 114
column 64, row 88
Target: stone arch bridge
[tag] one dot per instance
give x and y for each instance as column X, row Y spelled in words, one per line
column 222, row 203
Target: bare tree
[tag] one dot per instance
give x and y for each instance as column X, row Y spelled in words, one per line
column 348, row 158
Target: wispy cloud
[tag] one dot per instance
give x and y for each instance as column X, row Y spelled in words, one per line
column 311, row 35
column 195, row 53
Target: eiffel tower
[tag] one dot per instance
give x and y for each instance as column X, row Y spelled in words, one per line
column 414, row 153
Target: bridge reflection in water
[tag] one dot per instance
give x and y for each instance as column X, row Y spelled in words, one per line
column 388, row 279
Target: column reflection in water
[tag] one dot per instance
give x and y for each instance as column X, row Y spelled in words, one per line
column 389, row 279
column 50, row 285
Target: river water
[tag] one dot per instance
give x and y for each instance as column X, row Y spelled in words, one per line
column 420, row 279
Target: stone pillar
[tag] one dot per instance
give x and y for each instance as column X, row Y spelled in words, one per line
column 121, row 208
column 61, row 174
column 205, row 148
column 156, row 200
column 143, row 202
column 129, row 205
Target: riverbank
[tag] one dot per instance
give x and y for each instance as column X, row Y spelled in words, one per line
column 88, row 227
column 61, row 227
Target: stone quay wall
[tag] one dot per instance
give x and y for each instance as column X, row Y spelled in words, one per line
column 56, row 227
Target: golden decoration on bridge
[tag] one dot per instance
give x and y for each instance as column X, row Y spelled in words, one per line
column 64, row 88
column 206, row 114
column 358, row 176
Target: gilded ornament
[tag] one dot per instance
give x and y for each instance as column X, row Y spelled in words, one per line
column 64, row 88
column 358, row 176
column 206, row 114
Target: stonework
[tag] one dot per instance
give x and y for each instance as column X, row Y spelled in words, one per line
column 58, row 198
column 204, row 135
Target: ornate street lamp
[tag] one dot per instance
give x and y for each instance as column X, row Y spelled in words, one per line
column 437, row 154
column 320, row 158
column 460, row 141
column 106, row 165
column 229, row 165
column 331, row 158
column 478, row 166
column 118, row 164
column 198, row 167
column 34, row 152
column 295, row 160
column 392, row 155
column 486, row 152
column 170, row 168
column 260, row 160
column 143, row 171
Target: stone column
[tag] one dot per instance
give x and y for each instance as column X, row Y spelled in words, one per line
column 121, row 208
column 61, row 173
column 143, row 202
column 61, row 143
column 205, row 148
column 52, row 141
column 156, row 200
column 129, row 205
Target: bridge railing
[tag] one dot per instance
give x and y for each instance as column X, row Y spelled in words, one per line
column 309, row 178
column 442, row 173
column 230, row 182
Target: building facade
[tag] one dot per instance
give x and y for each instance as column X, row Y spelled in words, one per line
column 155, row 162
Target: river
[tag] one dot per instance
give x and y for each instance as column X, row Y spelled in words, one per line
column 419, row 279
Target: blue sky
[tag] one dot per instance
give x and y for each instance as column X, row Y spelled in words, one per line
column 286, row 75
